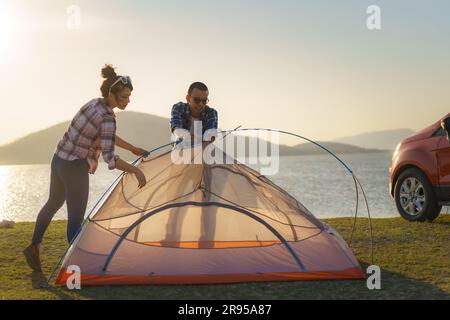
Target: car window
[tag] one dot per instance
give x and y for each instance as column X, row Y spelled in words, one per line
column 440, row 132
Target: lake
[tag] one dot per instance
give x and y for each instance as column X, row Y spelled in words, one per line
column 319, row 182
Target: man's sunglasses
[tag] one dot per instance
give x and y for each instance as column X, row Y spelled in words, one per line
column 198, row 100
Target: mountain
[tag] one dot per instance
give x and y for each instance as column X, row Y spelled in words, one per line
column 377, row 140
column 141, row 129
column 304, row 149
column 337, row 148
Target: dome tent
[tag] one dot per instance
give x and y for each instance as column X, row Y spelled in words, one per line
column 204, row 224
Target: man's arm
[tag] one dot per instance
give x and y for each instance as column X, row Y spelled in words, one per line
column 176, row 121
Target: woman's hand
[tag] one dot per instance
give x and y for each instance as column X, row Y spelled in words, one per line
column 140, row 178
column 126, row 167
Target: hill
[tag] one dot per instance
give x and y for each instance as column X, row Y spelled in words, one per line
column 377, row 140
column 144, row 130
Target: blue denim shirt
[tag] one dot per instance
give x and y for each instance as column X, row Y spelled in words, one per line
column 181, row 117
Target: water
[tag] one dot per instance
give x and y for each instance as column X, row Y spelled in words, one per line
column 318, row 182
column 24, row 190
column 327, row 189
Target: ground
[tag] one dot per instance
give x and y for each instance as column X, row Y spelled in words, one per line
column 414, row 260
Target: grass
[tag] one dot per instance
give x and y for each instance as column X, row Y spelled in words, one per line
column 414, row 259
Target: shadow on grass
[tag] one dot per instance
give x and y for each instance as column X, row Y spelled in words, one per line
column 393, row 286
column 39, row 282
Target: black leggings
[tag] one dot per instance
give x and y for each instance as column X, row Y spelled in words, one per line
column 69, row 181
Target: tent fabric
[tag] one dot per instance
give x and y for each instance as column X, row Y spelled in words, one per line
column 201, row 223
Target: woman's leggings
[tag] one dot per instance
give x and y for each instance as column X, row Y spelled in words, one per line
column 69, row 181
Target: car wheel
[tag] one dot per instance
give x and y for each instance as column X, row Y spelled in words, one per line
column 414, row 197
column 434, row 213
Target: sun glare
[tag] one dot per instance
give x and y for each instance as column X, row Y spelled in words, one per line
column 6, row 28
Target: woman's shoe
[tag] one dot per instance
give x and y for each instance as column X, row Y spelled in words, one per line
column 32, row 255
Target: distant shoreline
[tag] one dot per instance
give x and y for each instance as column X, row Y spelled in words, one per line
column 319, row 153
column 38, row 147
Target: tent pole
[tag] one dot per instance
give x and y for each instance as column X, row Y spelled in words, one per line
column 243, row 211
column 116, row 181
column 201, row 204
column 94, row 208
column 357, row 183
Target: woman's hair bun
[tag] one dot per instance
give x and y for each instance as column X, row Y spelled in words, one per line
column 108, row 72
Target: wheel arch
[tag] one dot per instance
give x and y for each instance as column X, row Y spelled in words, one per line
column 403, row 169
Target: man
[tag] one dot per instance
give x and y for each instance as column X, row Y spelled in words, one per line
column 183, row 119
column 184, row 115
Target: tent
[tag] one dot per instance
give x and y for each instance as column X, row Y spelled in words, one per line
column 203, row 224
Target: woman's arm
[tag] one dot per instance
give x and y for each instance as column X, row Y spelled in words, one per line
column 123, row 144
column 124, row 166
column 107, row 142
column 128, row 146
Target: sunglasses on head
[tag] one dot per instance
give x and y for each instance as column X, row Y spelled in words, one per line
column 198, row 100
column 123, row 79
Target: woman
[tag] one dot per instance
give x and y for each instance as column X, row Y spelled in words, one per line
column 92, row 131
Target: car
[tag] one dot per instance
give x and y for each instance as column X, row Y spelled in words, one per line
column 419, row 175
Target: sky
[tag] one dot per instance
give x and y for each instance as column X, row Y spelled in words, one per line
column 310, row 67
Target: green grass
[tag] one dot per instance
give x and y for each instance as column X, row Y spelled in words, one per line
column 414, row 258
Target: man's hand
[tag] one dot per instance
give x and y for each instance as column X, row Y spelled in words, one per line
column 181, row 134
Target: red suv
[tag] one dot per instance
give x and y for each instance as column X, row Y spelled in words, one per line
column 419, row 178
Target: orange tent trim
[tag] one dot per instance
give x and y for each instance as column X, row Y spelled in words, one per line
column 211, row 244
column 99, row 280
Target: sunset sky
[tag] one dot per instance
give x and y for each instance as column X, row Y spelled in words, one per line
column 311, row 67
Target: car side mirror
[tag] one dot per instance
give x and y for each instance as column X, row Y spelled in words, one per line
column 445, row 124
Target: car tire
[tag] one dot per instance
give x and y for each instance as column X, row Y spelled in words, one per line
column 414, row 196
column 434, row 213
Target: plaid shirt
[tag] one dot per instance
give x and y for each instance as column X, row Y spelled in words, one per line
column 181, row 117
column 92, row 131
